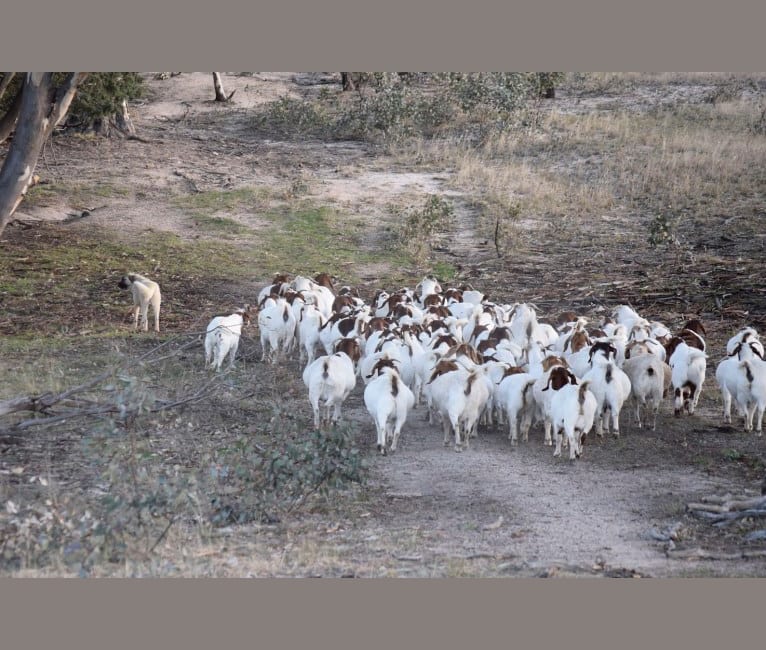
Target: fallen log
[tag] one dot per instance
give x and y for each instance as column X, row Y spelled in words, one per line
column 728, row 518
column 706, row 507
column 722, row 504
column 747, row 504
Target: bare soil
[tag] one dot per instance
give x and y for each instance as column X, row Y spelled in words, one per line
column 493, row 510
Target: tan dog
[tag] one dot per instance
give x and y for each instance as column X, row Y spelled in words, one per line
column 146, row 293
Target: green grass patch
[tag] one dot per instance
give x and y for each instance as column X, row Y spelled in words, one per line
column 310, row 239
column 444, row 271
column 204, row 208
column 78, row 195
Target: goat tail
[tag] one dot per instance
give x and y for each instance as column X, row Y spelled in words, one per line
column 581, row 395
column 525, row 392
column 748, row 371
column 394, row 386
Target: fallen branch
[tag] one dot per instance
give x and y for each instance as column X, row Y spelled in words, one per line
column 728, row 504
column 728, row 518
column 52, row 408
column 192, row 184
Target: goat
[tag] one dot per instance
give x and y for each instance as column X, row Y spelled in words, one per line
column 573, row 410
column 309, row 324
column 351, row 347
column 692, row 334
column 646, row 373
column 388, row 401
column 745, row 335
column 459, row 396
column 428, row 286
column 276, row 322
column 736, row 379
column 611, row 387
column 340, row 326
column 515, row 397
column 322, row 295
column 751, row 393
column 330, row 380
column 688, row 367
column 222, row 338
column 543, row 389
column 146, row 293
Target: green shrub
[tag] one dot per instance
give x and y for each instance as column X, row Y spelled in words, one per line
column 102, row 93
column 418, row 226
column 255, row 482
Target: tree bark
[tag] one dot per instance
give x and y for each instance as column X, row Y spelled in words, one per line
column 347, row 81
column 43, row 107
column 8, row 121
column 122, row 121
column 220, row 95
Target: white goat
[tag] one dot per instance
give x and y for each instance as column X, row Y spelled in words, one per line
column 388, row 401
column 544, row 389
column 741, row 381
column 459, row 397
column 751, row 393
column 646, row 374
column 573, row 410
column 310, row 323
column 222, row 338
column 515, row 398
column 277, row 324
column 745, row 335
column 322, row 296
column 330, row 380
column 688, row 367
column 427, row 287
column 611, row 387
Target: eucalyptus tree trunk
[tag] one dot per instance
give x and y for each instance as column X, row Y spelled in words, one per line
column 220, row 95
column 347, row 81
column 43, row 107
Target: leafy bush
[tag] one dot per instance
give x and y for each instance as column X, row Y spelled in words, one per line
column 102, row 93
column 418, row 226
column 296, row 117
column 662, row 231
column 251, row 482
column 394, row 106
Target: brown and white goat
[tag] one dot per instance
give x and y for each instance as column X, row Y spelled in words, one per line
column 388, row 401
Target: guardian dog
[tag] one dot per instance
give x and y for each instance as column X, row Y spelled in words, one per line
column 146, row 293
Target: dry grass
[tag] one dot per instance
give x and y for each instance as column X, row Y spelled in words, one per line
column 701, row 159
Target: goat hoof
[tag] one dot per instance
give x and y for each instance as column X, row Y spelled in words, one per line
column 458, row 448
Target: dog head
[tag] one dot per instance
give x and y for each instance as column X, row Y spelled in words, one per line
column 125, row 281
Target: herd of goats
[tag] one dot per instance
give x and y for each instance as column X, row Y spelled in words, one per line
column 474, row 361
